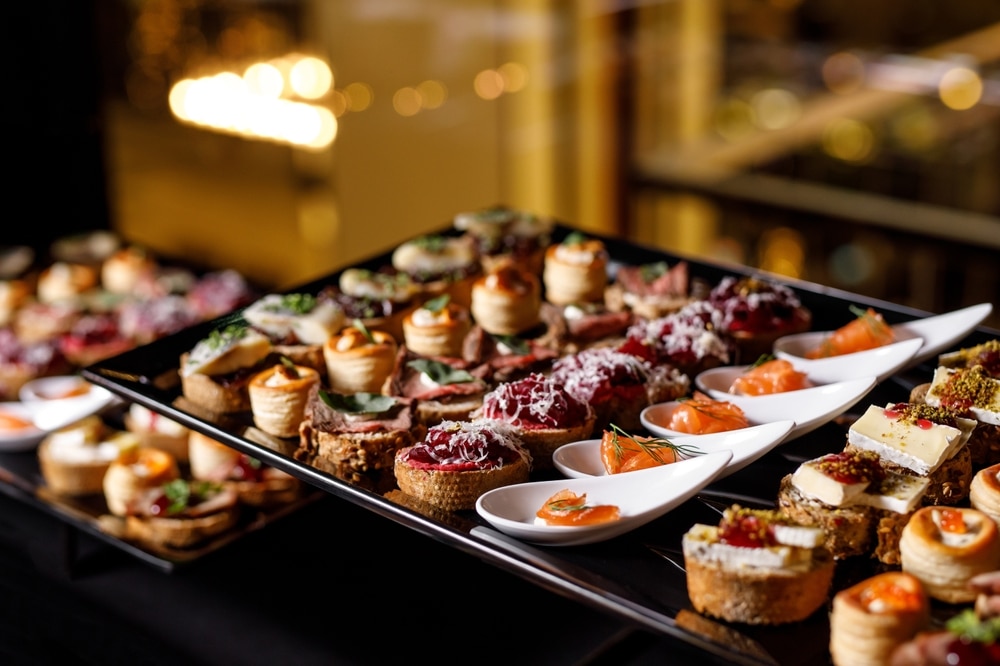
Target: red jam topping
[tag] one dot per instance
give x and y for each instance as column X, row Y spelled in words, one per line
column 922, row 416
column 748, row 528
column 536, row 401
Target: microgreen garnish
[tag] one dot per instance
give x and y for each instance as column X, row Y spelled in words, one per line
column 357, row 403
column 574, row 238
column 299, row 303
column 437, row 304
column 440, row 373
column 969, row 625
column 360, row 325
column 182, row 493
column 432, row 243
column 650, row 272
column 652, row 446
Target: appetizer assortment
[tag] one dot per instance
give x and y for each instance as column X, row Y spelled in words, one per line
column 455, row 374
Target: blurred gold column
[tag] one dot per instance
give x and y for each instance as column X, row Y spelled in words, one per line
column 678, row 65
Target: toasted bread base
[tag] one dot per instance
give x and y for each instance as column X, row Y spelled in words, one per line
column 180, row 532
column 73, row 478
column 542, row 442
column 455, row 491
column 759, row 596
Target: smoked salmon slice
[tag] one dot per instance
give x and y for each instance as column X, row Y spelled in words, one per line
column 770, row 376
column 867, row 330
column 701, row 415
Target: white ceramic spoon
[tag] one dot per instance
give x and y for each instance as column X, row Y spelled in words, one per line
column 58, row 413
column 20, row 439
column 809, row 407
column 936, row 333
column 583, row 459
column 641, row 496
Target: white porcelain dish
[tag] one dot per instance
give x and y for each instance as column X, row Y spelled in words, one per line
column 579, row 460
column 641, row 496
column 882, row 362
column 809, row 407
column 20, row 439
column 55, row 402
column 937, row 334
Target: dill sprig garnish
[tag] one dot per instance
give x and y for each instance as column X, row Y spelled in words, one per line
column 653, row 446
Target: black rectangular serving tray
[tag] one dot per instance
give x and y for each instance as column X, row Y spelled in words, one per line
column 639, row 576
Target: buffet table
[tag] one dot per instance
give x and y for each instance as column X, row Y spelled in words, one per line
column 355, row 576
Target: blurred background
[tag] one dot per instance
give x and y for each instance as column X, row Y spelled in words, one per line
column 846, row 142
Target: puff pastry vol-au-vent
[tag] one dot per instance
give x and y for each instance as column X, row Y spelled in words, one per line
column 134, row 471
column 278, row 397
column 437, row 328
column 359, row 360
column 575, row 270
column 507, row 301
column 73, row 460
column 946, row 546
column 984, row 492
column 871, row 618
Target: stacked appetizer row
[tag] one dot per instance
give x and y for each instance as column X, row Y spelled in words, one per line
column 467, row 359
column 916, row 487
column 96, row 298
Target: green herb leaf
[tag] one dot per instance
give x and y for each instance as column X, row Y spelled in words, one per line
column 514, row 343
column 178, row 492
column 289, row 365
column 574, row 238
column 437, row 304
column 761, row 360
column 440, row 373
column 650, row 272
column 357, row 403
column 360, row 325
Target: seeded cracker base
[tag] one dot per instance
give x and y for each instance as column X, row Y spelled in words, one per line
column 454, row 491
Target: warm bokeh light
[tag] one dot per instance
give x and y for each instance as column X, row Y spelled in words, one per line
column 775, row 108
column 960, row 88
column 915, row 129
column 264, row 79
column 338, row 103
column 359, row 96
column 843, row 73
column 853, row 264
column 406, row 101
column 225, row 102
column 311, row 78
column 488, row 84
column 782, row 251
column 734, row 119
column 514, row 75
column 849, row 140
column 433, row 94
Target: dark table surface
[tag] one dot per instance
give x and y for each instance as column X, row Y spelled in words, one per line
column 331, row 583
